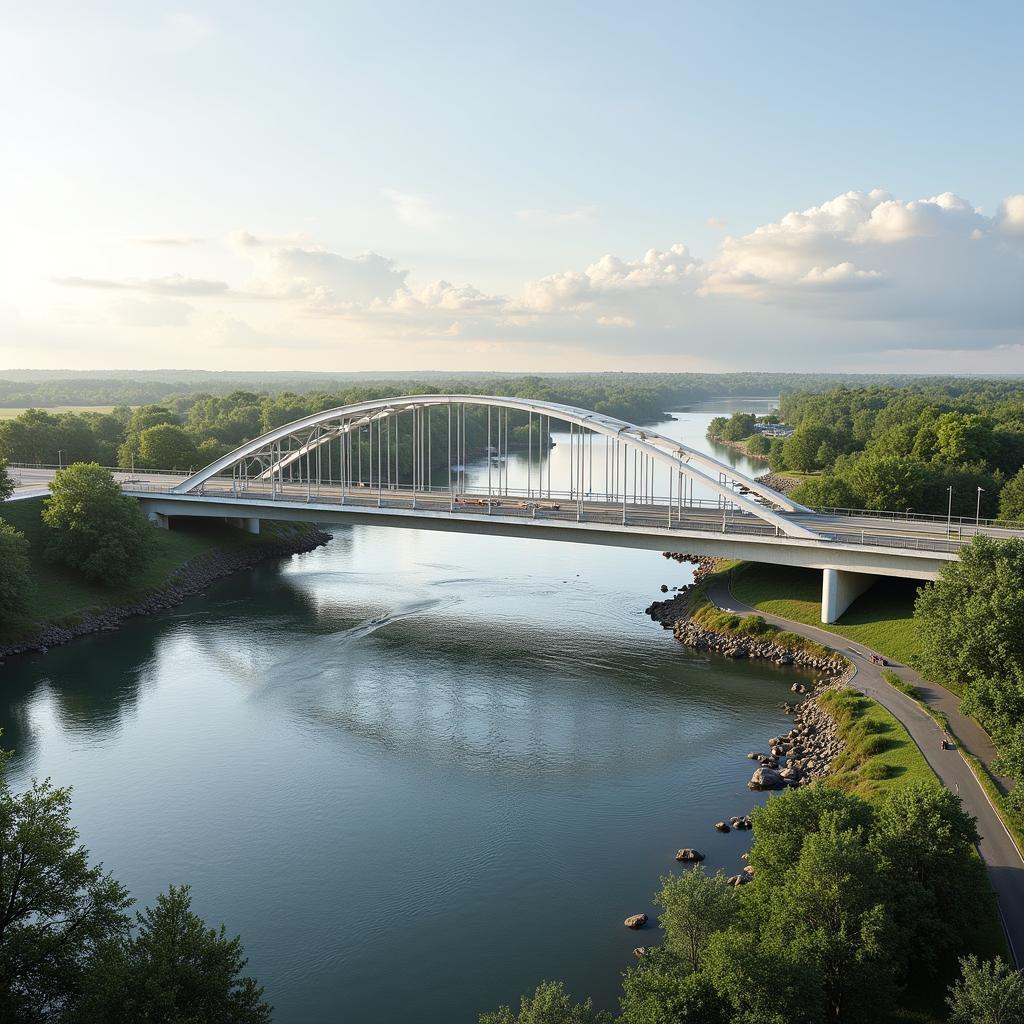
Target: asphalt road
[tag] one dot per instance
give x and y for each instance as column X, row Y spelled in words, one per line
column 1002, row 858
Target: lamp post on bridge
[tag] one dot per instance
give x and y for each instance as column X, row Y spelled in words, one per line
column 977, row 510
column 949, row 512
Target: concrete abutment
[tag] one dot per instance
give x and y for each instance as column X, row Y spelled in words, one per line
column 839, row 589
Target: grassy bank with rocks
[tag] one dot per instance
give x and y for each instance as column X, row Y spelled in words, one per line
column 62, row 604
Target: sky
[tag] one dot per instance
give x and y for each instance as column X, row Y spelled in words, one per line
column 527, row 187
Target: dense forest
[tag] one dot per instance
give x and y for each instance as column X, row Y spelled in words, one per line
column 910, row 447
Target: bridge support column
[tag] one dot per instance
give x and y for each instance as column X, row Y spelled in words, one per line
column 839, row 589
column 159, row 519
column 248, row 523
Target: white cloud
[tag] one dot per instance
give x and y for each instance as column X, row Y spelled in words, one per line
column 615, row 321
column 414, row 210
column 326, row 279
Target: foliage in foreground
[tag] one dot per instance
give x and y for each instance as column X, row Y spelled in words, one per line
column 849, row 899
column 68, row 954
column 987, row 993
column 96, row 529
column 971, row 624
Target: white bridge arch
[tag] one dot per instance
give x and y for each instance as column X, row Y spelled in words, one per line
column 298, row 448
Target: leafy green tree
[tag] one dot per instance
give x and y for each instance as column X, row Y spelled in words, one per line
column 658, row 993
column 988, row 992
column 694, row 906
column 971, row 625
column 55, row 907
column 761, row 983
column 166, row 446
column 826, row 492
column 924, row 842
column 174, row 968
column 738, row 426
column 6, row 483
column 549, row 1004
column 759, row 445
column 15, row 570
column 94, row 528
column 889, row 482
column 802, row 446
column 829, row 913
column 962, row 437
column 1011, row 498
column 785, row 822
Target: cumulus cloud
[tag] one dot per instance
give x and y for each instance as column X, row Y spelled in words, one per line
column 326, row 279
column 870, row 256
column 610, row 277
column 414, row 210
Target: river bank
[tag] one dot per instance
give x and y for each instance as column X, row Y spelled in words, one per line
column 194, row 576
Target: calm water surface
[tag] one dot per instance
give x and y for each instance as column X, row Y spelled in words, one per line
column 417, row 772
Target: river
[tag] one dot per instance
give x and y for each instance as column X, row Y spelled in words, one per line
column 418, row 772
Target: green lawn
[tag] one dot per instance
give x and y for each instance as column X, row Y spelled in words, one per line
column 881, row 618
column 61, row 594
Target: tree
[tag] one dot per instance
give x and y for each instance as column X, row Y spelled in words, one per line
column 829, row 913
column 166, row 446
column 15, row 570
column 1011, row 498
column 925, row 842
column 55, row 907
column 989, row 992
column 971, row 625
column 549, row 1004
column 826, row 492
column 694, row 906
column 6, row 483
column 802, row 446
column 656, row 993
column 962, row 437
column 761, row 983
column 174, row 968
column 892, row 482
column 94, row 528
column 785, row 822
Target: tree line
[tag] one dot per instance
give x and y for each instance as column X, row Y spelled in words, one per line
column 903, row 448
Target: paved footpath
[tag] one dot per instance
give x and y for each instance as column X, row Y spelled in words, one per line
column 1002, row 858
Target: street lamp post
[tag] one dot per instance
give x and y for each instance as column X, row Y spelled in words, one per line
column 977, row 510
column 60, row 462
column 949, row 512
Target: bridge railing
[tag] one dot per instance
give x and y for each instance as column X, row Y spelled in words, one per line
column 699, row 517
column 923, row 517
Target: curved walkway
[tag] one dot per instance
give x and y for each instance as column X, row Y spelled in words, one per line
column 1002, row 858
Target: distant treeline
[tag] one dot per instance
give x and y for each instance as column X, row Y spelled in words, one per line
column 43, row 389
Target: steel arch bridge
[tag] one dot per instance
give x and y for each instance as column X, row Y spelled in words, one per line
column 416, row 448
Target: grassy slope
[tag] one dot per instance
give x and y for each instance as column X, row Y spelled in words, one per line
column 61, row 594
column 881, row 618
column 708, row 615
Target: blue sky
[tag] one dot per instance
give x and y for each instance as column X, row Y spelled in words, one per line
column 452, row 185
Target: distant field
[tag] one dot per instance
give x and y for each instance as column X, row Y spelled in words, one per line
column 11, row 412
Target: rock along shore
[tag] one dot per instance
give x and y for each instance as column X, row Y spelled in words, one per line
column 189, row 579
